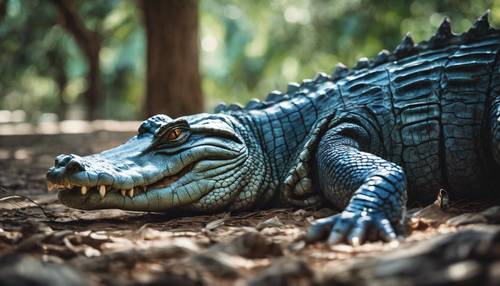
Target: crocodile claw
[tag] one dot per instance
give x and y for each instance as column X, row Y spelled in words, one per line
column 352, row 228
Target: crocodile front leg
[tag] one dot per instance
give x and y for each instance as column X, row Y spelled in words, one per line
column 371, row 190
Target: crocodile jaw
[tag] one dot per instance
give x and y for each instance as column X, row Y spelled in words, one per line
column 167, row 193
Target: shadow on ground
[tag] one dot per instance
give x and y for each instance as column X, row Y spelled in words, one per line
column 447, row 243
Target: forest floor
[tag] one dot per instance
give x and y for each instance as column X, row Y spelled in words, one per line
column 49, row 244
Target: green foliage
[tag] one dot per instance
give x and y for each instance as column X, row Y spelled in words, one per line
column 261, row 45
column 35, row 50
column 247, row 48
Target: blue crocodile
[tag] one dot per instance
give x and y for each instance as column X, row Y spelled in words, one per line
column 398, row 127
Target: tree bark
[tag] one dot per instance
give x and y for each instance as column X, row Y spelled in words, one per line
column 61, row 79
column 90, row 44
column 173, row 84
column 3, row 9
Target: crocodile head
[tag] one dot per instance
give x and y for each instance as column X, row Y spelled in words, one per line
column 170, row 163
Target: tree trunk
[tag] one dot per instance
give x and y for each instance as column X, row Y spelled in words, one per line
column 62, row 107
column 3, row 9
column 90, row 44
column 61, row 79
column 173, row 85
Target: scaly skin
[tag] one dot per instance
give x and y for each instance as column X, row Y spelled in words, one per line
column 399, row 127
column 200, row 169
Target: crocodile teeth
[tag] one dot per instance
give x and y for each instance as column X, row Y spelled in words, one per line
column 53, row 186
column 84, row 190
column 123, row 192
column 131, row 192
column 50, row 186
column 102, row 191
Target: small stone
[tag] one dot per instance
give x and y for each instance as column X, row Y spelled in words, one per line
column 272, row 222
column 215, row 224
column 299, row 215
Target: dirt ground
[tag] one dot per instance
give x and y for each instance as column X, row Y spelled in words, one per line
column 49, row 244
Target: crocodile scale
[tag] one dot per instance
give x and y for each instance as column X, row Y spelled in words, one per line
column 399, row 127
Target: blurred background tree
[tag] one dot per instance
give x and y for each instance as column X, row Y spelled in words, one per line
column 173, row 84
column 246, row 48
column 89, row 42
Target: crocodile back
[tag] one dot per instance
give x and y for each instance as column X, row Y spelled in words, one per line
column 430, row 109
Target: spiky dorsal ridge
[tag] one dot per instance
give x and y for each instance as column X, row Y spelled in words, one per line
column 275, row 96
column 442, row 37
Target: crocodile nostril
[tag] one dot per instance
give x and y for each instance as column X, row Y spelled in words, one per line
column 62, row 160
column 74, row 166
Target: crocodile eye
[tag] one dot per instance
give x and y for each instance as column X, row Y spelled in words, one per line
column 174, row 134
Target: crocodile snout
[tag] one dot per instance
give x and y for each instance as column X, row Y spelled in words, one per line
column 70, row 163
column 65, row 166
